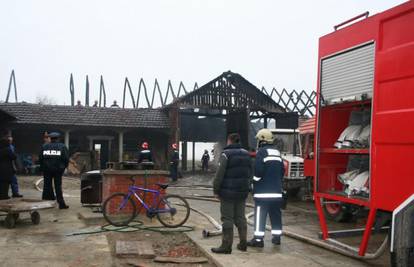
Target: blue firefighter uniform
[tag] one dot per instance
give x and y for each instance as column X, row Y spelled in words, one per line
column 54, row 158
column 267, row 192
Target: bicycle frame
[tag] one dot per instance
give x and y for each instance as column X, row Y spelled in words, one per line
column 132, row 191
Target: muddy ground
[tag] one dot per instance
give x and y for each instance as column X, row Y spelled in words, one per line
column 52, row 243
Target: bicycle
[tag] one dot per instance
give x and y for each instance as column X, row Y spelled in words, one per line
column 171, row 210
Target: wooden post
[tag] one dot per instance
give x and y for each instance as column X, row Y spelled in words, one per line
column 110, row 150
column 67, row 139
column 184, row 156
column 193, row 157
column 174, row 133
column 121, row 146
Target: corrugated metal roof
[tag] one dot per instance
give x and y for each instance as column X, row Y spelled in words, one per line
column 307, row 126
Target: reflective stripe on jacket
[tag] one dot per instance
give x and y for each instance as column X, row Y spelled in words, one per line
column 268, row 173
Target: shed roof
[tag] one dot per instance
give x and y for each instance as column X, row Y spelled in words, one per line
column 26, row 113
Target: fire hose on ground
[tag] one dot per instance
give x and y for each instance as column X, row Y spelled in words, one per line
column 329, row 244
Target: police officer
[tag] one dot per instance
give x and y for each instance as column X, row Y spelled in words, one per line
column 145, row 157
column 14, row 183
column 267, row 189
column 175, row 158
column 7, row 171
column 231, row 186
column 54, row 158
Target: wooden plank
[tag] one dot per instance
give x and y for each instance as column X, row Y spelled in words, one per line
column 142, row 249
column 25, row 205
column 188, row 260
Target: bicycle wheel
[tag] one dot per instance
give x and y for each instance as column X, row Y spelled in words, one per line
column 173, row 211
column 118, row 210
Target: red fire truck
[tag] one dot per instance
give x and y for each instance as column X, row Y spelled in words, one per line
column 364, row 140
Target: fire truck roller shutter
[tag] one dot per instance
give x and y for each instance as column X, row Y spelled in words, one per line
column 348, row 75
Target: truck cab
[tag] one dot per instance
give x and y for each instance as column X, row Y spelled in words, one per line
column 287, row 142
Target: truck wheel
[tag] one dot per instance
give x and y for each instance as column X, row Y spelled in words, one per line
column 293, row 192
column 10, row 221
column 337, row 212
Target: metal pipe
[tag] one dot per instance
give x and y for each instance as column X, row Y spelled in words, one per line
column 366, row 14
column 87, row 91
column 72, row 90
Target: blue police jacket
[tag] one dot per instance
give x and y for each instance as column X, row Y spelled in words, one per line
column 54, row 157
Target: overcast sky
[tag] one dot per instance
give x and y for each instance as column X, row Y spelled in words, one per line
column 271, row 43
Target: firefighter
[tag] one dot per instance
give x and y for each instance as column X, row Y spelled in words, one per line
column 204, row 160
column 175, row 158
column 231, row 186
column 53, row 159
column 145, row 156
column 267, row 189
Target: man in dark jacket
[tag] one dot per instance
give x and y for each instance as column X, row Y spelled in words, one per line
column 267, row 189
column 231, row 186
column 53, row 159
column 175, row 158
column 7, row 156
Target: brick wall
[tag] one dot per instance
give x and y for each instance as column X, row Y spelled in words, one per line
column 119, row 182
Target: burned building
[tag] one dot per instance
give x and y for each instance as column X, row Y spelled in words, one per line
column 224, row 105
column 227, row 104
column 116, row 133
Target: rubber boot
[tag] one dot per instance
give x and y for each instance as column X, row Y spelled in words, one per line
column 63, row 206
column 226, row 243
column 242, row 246
column 256, row 242
column 276, row 240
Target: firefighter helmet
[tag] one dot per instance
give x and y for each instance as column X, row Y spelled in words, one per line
column 145, row 145
column 264, row 135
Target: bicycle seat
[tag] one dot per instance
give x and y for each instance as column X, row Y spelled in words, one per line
column 162, row 186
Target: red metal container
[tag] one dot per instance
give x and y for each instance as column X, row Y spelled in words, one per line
column 369, row 67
